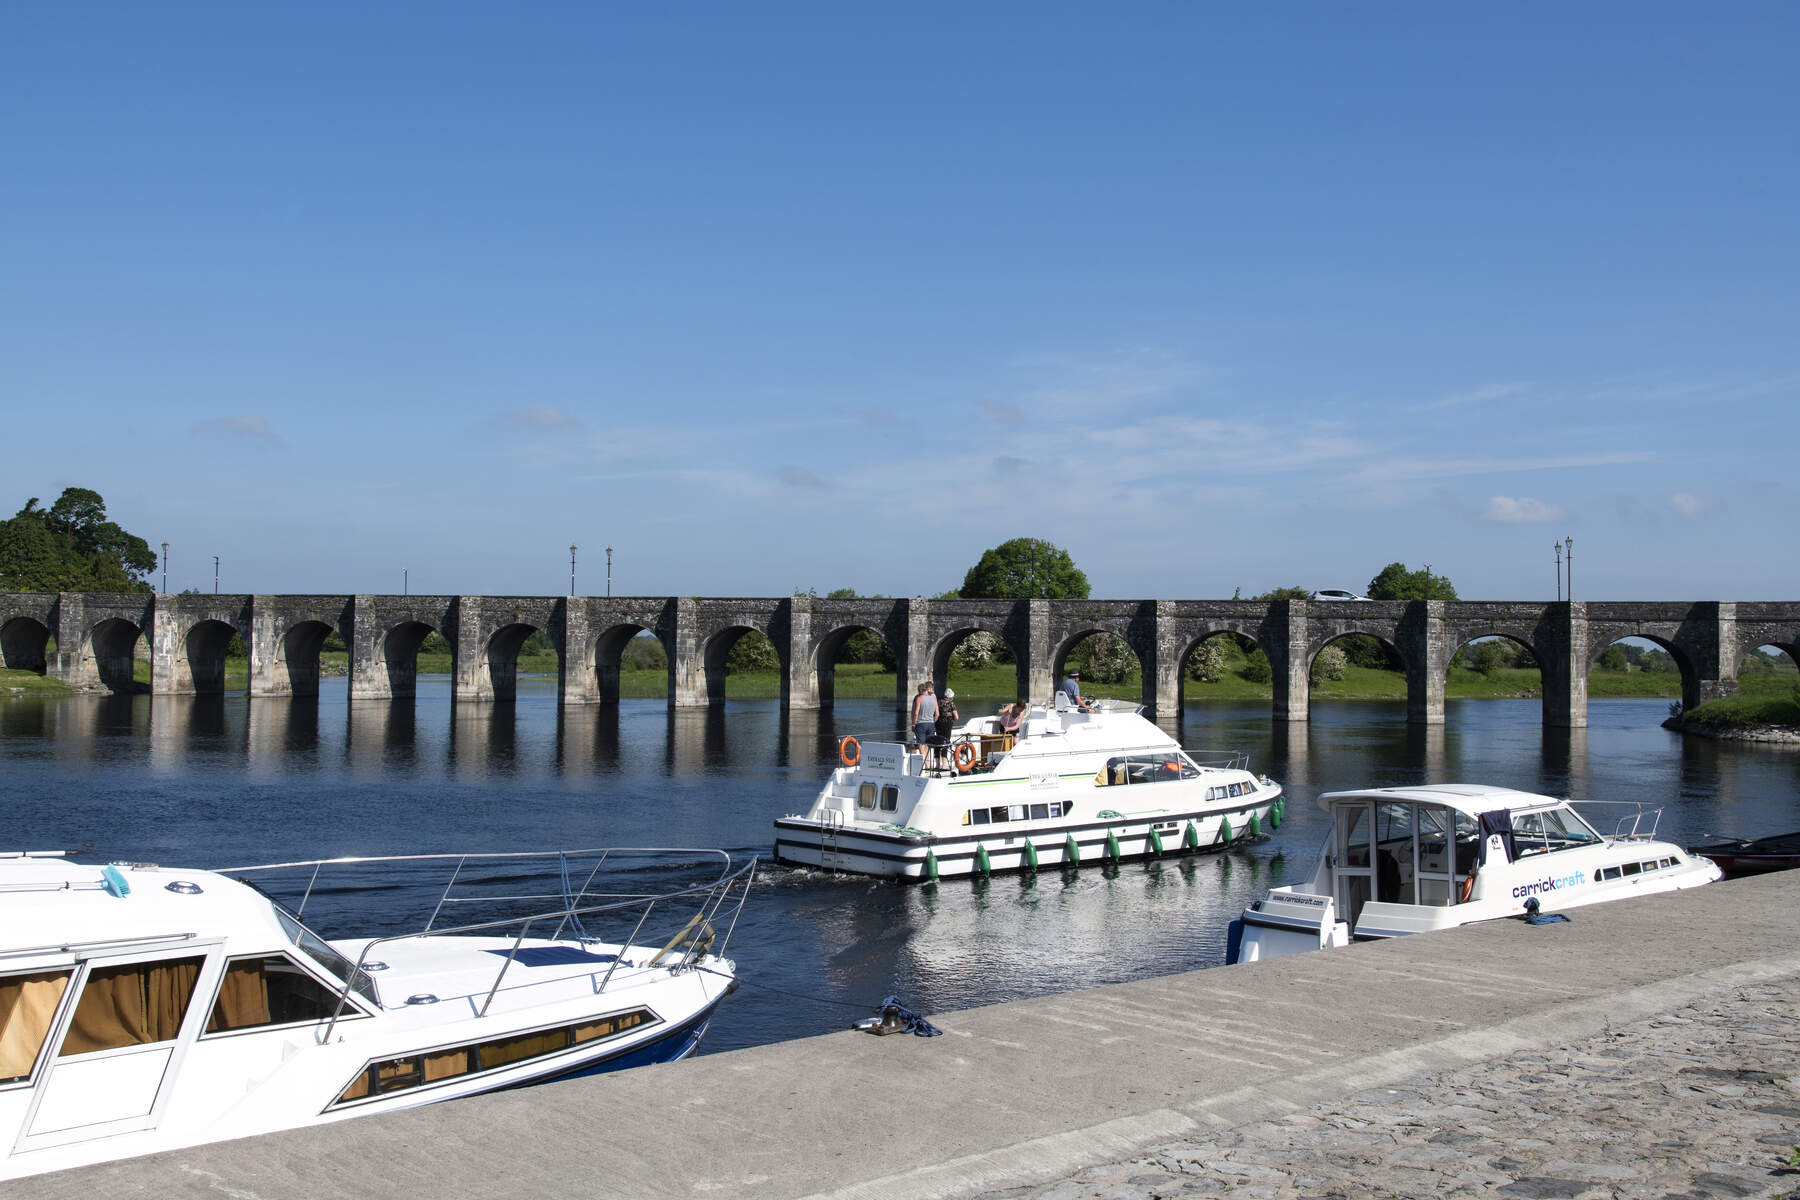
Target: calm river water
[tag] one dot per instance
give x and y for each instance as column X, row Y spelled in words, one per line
column 212, row 782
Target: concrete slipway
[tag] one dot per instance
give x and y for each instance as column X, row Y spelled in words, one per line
column 1022, row 1092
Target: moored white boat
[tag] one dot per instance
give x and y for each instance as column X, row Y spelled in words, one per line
column 1413, row 859
column 1072, row 787
column 145, row 1008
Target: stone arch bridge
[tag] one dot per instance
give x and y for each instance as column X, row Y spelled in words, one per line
column 95, row 636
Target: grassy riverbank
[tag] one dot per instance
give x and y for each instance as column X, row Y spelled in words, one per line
column 1750, row 709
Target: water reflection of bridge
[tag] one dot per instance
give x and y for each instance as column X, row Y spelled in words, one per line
column 95, row 636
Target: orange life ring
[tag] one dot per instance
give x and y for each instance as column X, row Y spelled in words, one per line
column 964, row 755
column 1468, row 888
column 850, row 750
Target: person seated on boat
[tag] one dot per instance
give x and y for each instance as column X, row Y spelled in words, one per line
column 1071, row 687
column 924, row 719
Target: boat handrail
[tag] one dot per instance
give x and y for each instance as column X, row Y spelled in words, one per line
column 97, row 944
column 698, row 931
column 1630, row 827
column 574, row 900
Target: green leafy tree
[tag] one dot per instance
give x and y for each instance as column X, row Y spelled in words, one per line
column 1257, row 668
column 1284, row 593
column 1207, row 662
column 752, row 653
column 1491, row 657
column 71, row 546
column 1025, row 569
column 1396, row 582
column 1331, row 663
column 1613, row 659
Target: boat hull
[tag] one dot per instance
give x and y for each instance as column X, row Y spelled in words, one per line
column 917, row 857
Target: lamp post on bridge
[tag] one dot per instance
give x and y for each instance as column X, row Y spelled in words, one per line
column 571, row 568
column 609, row 570
column 405, row 582
column 1569, row 545
column 165, row 568
column 1559, row 570
column 215, row 574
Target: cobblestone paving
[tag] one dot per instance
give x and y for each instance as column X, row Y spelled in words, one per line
column 1701, row 1103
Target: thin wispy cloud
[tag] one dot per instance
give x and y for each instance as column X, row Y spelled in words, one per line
column 1690, row 505
column 1480, row 395
column 253, row 426
column 542, row 418
column 800, row 477
column 1519, row 510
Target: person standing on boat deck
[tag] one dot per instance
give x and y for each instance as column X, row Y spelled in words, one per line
column 1071, row 686
column 924, row 718
column 946, row 717
column 1012, row 716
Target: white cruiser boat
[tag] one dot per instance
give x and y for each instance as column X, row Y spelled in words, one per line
column 1413, row 859
column 145, row 1008
column 1070, row 787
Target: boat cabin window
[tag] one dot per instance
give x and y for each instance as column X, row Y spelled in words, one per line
column 416, row 1070
column 1550, row 830
column 865, row 796
column 1145, row 768
column 269, row 990
column 28, row 1005
column 135, row 1004
column 1015, row 812
column 890, row 799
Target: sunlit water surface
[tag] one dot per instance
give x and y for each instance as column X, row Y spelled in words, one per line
column 228, row 781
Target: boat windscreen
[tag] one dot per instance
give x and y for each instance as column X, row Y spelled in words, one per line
column 321, row 952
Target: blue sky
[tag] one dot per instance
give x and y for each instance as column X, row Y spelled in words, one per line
column 787, row 296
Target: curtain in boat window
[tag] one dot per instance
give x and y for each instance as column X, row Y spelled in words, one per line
column 27, row 1006
column 132, row 1005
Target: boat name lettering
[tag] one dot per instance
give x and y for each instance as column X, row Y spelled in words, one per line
column 1045, row 779
column 1310, row 901
column 876, row 760
column 1548, row 885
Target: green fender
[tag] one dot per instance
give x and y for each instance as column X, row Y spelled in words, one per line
column 1191, row 836
column 1225, row 832
column 1155, row 842
column 1031, row 855
column 931, row 867
column 1275, row 816
column 1072, row 851
column 1254, row 828
column 1112, row 845
column 981, row 860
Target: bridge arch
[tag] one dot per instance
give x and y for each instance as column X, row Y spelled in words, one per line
column 397, row 655
column 1684, row 663
column 296, row 665
column 24, row 644
column 945, row 644
column 496, row 664
column 107, row 650
column 604, row 656
column 717, row 649
column 200, row 666
column 1078, row 634
column 827, row 650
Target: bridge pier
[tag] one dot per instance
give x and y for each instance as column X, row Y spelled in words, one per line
column 1422, row 641
column 687, row 673
column 1290, row 660
column 793, row 640
column 1716, row 663
column 1161, row 655
column 1563, row 664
